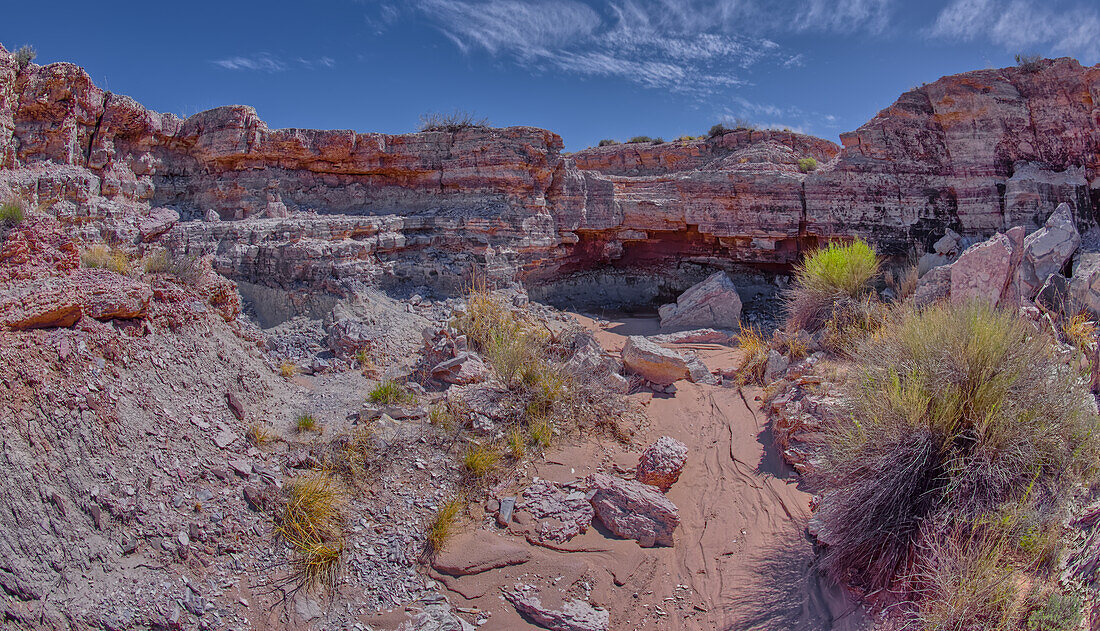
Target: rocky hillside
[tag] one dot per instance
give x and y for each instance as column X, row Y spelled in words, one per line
column 976, row 152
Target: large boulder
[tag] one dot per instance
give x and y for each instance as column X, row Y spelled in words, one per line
column 654, row 363
column 713, row 303
column 662, row 462
column 633, row 510
column 986, row 271
column 1047, row 250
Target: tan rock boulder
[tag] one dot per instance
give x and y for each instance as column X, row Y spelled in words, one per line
column 654, row 363
column 479, row 551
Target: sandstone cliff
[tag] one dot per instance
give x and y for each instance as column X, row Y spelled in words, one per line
column 975, row 152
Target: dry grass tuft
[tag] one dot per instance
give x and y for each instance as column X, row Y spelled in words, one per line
column 185, row 268
column 102, row 257
column 312, row 524
column 287, row 369
column 755, row 347
column 480, row 461
column 1080, row 330
column 442, row 525
column 259, row 435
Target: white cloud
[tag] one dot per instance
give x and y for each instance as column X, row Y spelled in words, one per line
column 260, row 61
column 1049, row 27
column 266, row 62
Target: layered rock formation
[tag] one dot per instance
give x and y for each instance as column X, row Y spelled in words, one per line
column 294, row 209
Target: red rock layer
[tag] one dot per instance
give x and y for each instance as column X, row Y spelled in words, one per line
column 975, row 152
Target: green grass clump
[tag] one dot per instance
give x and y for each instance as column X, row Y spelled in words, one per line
column 828, row 281
column 307, row 423
column 958, row 412
column 442, row 524
column 390, row 392
column 807, row 164
column 11, row 213
column 312, row 524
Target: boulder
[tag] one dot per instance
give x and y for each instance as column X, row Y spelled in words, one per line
column 1047, row 250
column 662, row 462
column 948, row 245
column 159, row 221
column 652, row 362
column 698, row 371
column 986, row 271
column 574, row 615
column 465, row 368
column 479, row 551
column 713, row 303
column 1084, row 286
column 933, row 286
column 633, row 510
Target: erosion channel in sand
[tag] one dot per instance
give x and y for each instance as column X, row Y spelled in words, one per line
column 740, row 559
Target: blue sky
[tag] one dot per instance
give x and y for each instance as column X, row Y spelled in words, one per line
column 586, row 69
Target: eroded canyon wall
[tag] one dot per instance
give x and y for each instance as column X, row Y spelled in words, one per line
column 975, row 152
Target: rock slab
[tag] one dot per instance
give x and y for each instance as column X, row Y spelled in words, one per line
column 713, row 303
column 654, row 363
column 633, row 510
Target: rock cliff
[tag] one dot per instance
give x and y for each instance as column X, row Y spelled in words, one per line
column 294, row 208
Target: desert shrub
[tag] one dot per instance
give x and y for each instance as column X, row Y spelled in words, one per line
column 24, row 55
column 455, row 121
column 390, row 392
column 442, row 524
column 1029, row 63
column 306, row 422
column 718, row 130
column 442, row 416
column 828, row 282
column 312, row 524
column 480, row 460
column 755, row 347
column 103, row 257
column 608, row 142
column 807, row 164
column 957, row 413
column 968, row 582
column 1059, row 612
column 184, row 267
column 658, row 141
column 639, row 139
column 11, row 213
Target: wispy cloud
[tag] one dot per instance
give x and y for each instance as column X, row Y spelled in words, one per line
column 1046, row 26
column 685, row 46
column 266, row 62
